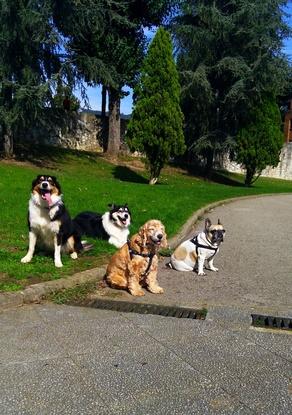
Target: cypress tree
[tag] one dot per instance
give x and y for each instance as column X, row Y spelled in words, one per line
column 259, row 142
column 156, row 124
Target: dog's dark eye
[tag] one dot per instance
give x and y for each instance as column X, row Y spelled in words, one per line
column 213, row 231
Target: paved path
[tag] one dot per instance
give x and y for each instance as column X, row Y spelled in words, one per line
column 74, row 360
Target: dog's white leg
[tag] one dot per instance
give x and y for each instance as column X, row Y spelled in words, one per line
column 201, row 260
column 211, row 266
column 152, row 286
column 57, row 253
column 74, row 255
column 31, row 247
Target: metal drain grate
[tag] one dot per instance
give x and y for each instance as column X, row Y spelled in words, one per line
column 284, row 323
column 161, row 310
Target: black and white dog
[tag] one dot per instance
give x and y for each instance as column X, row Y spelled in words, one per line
column 49, row 223
column 112, row 226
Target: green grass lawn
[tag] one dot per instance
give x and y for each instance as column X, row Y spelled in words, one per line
column 89, row 182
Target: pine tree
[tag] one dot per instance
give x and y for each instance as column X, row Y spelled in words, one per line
column 229, row 58
column 260, row 141
column 106, row 42
column 28, row 62
column 156, row 125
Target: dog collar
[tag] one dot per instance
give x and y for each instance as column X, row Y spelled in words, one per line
column 150, row 256
column 198, row 245
column 58, row 203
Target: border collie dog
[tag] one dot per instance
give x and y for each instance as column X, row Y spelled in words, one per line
column 49, row 223
column 112, row 226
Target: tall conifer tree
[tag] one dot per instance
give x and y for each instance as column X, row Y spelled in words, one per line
column 28, row 62
column 230, row 57
column 156, row 125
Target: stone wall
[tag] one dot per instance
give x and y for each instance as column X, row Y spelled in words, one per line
column 282, row 171
column 79, row 131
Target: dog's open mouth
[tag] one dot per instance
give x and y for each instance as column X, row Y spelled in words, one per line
column 156, row 241
column 123, row 220
column 46, row 195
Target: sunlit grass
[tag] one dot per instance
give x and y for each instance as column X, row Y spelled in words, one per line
column 89, row 182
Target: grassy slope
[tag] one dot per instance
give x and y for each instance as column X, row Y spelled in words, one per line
column 90, row 183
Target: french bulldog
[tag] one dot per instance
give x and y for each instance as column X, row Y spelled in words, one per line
column 192, row 253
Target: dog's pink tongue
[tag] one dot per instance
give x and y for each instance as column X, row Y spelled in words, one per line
column 48, row 198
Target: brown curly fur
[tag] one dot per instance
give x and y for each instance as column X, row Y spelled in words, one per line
column 124, row 272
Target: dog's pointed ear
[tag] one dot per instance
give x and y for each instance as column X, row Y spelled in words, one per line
column 208, row 223
column 111, row 206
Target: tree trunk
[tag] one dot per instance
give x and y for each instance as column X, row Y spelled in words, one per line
column 250, row 172
column 8, row 143
column 153, row 180
column 104, row 126
column 114, row 128
column 209, row 162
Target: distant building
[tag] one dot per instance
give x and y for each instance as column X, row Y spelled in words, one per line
column 288, row 123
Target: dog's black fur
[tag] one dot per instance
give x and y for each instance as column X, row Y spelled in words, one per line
column 111, row 226
column 49, row 222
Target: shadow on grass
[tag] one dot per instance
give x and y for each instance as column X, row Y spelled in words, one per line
column 125, row 174
column 216, row 176
column 49, row 156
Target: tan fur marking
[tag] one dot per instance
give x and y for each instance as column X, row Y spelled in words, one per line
column 193, row 256
column 70, row 243
column 180, row 253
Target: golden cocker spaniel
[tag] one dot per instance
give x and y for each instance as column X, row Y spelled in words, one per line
column 135, row 264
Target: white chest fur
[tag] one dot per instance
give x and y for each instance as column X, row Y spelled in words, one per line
column 41, row 223
column 118, row 236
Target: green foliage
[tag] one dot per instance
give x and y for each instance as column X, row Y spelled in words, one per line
column 29, row 64
column 156, row 124
column 229, row 57
column 259, row 143
column 64, row 99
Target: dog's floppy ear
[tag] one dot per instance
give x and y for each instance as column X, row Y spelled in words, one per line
column 56, row 183
column 164, row 240
column 34, row 182
column 208, row 223
column 143, row 234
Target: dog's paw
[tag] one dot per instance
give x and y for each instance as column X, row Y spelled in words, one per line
column 137, row 293
column 214, row 269
column 156, row 290
column 58, row 264
column 74, row 255
column 201, row 274
column 25, row 259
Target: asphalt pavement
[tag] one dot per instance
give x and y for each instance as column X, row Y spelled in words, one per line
column 77, row 360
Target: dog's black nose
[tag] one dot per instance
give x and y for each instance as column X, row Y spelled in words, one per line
column 44, row 185
column 160, row 236
column 126, row 216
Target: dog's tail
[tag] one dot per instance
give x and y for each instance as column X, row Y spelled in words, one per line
column 86, row 246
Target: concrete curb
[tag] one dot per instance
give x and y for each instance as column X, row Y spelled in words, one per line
column 36, row 292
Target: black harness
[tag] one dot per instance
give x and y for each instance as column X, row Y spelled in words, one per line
column 198, row 245
column 150, row 256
